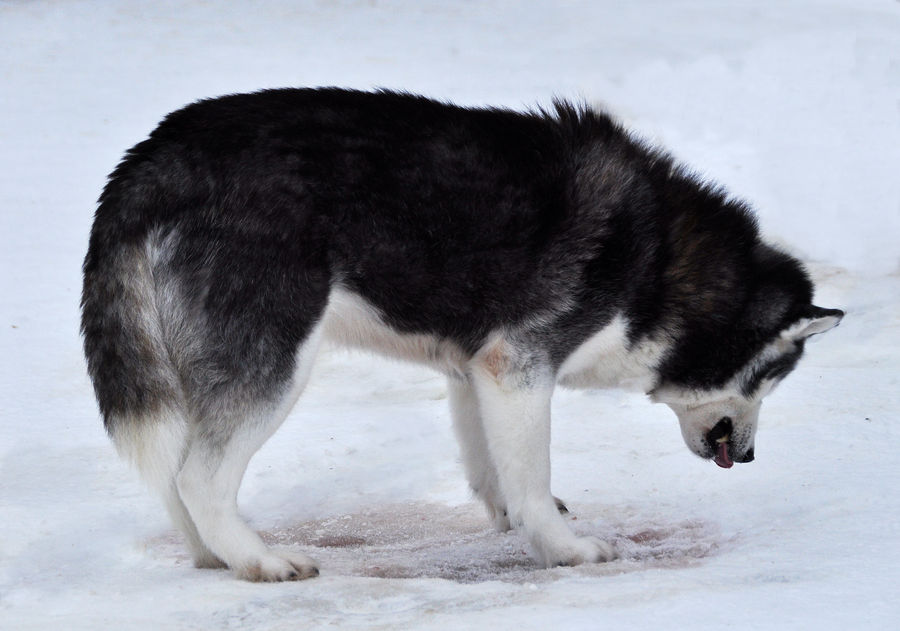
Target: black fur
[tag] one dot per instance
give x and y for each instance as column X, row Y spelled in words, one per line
column 775, row 369
column 452, row 221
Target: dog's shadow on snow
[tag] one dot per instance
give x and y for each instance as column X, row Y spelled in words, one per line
column 417, row 540
column 420, row 540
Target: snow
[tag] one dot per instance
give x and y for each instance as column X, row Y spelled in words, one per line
column 793, row 106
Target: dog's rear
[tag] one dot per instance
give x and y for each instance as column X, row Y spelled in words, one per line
column 162, row 381
column 128, row 359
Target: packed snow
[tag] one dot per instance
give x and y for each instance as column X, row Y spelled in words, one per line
column 791, row 105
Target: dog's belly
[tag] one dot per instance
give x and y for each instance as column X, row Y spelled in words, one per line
column 604, row 360
column 351, row 321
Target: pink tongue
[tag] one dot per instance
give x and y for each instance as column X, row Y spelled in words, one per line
column 722, row 458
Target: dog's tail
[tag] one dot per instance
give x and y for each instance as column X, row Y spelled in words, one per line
column 128, row 357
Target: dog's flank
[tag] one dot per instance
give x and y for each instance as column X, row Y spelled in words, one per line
column 510, row 251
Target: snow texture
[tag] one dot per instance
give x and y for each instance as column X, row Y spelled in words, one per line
column 792, row 105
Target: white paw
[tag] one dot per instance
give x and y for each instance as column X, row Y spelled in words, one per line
column 578, row 550
column 280, row 565
column 305, row 566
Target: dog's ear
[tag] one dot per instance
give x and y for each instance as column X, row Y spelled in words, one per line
column 815, row 320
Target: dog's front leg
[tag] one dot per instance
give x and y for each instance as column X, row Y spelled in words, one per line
column 514, row 392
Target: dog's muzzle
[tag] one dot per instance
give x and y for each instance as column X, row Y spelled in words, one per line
column 722, row 449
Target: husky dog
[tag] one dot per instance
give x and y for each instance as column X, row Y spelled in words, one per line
column 511, row 251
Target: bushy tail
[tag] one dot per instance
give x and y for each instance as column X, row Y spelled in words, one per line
column 135, row 381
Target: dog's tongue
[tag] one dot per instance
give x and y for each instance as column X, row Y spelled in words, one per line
column 722, row 459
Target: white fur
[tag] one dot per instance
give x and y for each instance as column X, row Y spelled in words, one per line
column 698, row 411
column 606, row 360
column 208, row 484
column 477, row 462
column 515, row 412
column 155, row 446
column 351, row 321
column 697, row 419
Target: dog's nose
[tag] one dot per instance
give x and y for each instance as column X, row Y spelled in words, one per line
column 748, row 457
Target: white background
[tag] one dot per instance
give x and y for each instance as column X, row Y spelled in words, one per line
column 794, row 106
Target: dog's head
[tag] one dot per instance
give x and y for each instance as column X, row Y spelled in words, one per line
column 734, row 347
column 720, row 423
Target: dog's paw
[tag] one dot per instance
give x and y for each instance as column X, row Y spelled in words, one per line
column 280, row 565
column 579, row 550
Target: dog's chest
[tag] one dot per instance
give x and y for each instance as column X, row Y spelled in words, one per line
column 607, row 360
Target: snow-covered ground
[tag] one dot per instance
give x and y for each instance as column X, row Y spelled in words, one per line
column 792, row 105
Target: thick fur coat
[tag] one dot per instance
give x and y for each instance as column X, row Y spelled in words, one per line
column 510, row 250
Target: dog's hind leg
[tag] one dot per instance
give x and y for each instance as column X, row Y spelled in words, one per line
column 203, row 557
column 156, row 443
column 480, row 470
column 209, row 480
